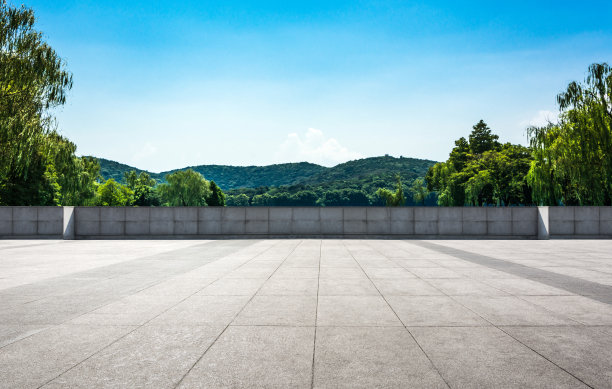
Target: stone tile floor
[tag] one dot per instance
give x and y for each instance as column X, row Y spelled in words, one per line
column 306, row 313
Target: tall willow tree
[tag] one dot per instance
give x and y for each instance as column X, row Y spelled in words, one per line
column 37, row 166
column 573, row 158
column 185, row 188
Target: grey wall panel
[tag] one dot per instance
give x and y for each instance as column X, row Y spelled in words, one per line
column 402, row 221
column 25, row 220
column 499, row 221
column 474, row 220
column 586, row 220
column 605, row 221
column 561, row 220
column 112, row 221
column 6, row 221
column 450, row 221
column 332, row 220
column 378, row 221
column 426, row 221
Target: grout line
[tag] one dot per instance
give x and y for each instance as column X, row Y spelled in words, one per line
column 314, row 343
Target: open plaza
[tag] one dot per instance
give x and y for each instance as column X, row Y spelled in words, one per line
column 306, row 313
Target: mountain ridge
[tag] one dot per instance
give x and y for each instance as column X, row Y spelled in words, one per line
column 233, row 177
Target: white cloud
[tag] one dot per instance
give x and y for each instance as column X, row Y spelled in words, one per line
column 541, row 119
column 314, row 147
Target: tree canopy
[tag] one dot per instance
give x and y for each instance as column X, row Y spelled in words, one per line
column 185, row 188
column 482, row 171
column 37, row 165
column 573, row 158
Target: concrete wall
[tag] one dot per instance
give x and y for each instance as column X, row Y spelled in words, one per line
column 406, row 222
column 31, row 222
column 582, row 222
column 305, row 221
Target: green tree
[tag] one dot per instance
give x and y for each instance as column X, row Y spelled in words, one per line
column 482, row 172
column 143, row 187
column 37, row 165
column 112, row 193
column 419, row 191
column 185, row 188
column 481, row 138
column 216, row 197
column 263, row 199
column 32, row 81
column 240, row 200
column 304, row 198
column 460, row 155
column 573, row 158
column 393, row 199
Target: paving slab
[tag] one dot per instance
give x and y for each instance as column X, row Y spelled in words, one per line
column 371, row 357
column 433, row 311
column 347, row 287
column 486, row 357
column 280, row 286
column 585, row 352
column 578, row 308
column 203, row 310
column 510, row 310
column 265, row 357
column 150, row 356
column 279, row 310
column 355, row 311
column 42, row 357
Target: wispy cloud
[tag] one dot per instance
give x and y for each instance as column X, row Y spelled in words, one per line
column 540, row 119
column 314, row 147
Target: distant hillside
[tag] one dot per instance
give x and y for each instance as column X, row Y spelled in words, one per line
column 304, row 173
column 409, row 168
column 230, row 177
column 115, row 170
column 227, row 177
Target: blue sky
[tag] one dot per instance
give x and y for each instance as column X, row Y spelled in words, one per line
column 166, row 84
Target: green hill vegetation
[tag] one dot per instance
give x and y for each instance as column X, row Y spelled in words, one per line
column 351, row 183
column 230, row 177
column 286, row 174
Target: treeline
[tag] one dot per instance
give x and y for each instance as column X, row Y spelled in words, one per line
column 183, row 188
column 566, row 163
column 372, row 190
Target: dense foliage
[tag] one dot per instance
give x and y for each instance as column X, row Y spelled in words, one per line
column 37, row 165
column 393, row 199
column 185, row 188
column 352, row 183
column 356, row 192
column 482, row 171
column 573, row 158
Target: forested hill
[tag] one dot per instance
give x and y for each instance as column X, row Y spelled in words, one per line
column 408, row 168
column 232, row 177
column 115, row 170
